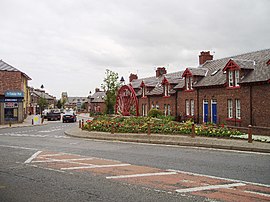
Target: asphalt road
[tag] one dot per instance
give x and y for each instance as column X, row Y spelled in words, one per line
column 21, row 181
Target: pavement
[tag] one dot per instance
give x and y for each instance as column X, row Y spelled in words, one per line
column 26, row 122
column 180, row 140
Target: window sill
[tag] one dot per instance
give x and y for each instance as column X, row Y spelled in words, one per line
column 144, row 97
column 233, row 120
column 233, row 87
column 189, row 90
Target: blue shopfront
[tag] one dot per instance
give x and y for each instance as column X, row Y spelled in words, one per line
column 11, row 107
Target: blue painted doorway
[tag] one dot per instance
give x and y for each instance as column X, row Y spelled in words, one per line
column 205, row 111
column 214, row 111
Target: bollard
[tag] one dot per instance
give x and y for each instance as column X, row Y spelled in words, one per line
column 42, row 119
column 112, row 129
column 249, row 134
column 193, row 130
column 32, row 121
column 9, row 124
column 80, row 124
column 148, row 129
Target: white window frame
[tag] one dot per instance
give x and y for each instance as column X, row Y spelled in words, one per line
column 190, row 83
column 192, row 107
column 230, row 78
column 237, row 109
column 166, row 90
column 143, row 91
column 143, row 110
column 187, row 108
column 187, row 83
column 230, row 108
column 237, row 77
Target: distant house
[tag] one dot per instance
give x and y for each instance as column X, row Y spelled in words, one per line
column 36, row 95
column 75, row 103
column 97, row 102
column 14, row 94
column 234, row 91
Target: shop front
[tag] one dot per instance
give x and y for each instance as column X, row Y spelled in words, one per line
column 11, row 107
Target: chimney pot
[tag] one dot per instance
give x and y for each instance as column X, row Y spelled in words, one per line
column 132, row 77
column 204, row 56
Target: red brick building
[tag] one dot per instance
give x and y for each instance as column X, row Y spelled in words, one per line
column 14, row 94
column 97, row 102
column 234, row 91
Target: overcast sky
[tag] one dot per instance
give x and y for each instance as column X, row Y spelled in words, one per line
column 67, row 45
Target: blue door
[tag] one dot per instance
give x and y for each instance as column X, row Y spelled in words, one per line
column 214, row 111
column 205, row 111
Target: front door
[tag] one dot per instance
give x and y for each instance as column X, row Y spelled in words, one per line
column 205, row 111
column 214, row 112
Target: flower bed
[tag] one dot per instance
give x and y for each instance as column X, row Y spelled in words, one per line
column 159, row 126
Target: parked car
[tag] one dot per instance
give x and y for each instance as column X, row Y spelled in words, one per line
column 69, row 116
column 54, row 114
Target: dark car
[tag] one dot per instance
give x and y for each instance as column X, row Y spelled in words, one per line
column 69, row 116
column 54, row 114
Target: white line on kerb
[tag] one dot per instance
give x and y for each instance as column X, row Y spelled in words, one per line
column 209, row 187
column 96, row 166
column 32, row 157
column 17, row 147
column 141, row 175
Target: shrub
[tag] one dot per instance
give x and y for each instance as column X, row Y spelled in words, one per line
column 155, row 113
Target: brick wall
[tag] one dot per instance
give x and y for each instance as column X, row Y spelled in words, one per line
column 10, row 81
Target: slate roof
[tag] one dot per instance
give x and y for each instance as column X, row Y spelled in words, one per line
column 6, row 67
column 258, row 72
column 76, row 99
column 212, row 73
column 42, row 94
column 98, row 96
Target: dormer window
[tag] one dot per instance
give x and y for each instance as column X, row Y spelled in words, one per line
column 189, row 83
column 233, row 74
column 188, row 79
column 143, row 89
column 166, row 87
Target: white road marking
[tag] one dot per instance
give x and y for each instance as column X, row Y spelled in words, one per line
column 18, row 147
column 220, row 186
column 51, row 169
column 57, row 154
column 258, row 193
column 96, row 166
column 141, row 175
column 32, row 157
column 62, row 160
column 220, row 178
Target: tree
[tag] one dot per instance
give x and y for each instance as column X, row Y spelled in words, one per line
column 110, row 87
column 59, row 104
column 43, row 103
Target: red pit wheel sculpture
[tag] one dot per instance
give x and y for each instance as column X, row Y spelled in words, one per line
column 126, row 101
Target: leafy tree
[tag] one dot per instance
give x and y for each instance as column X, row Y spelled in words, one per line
column 110, row 86
column 59, row 104
column 43, row 103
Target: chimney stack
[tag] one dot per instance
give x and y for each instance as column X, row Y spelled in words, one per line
column 132, row 77
column 97, row 90
column 160, row 71
column 205, row 55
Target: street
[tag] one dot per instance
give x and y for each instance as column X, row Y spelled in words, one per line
column 42, row 164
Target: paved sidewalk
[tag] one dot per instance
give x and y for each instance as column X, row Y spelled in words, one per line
column 26, row 122
column 182, row 140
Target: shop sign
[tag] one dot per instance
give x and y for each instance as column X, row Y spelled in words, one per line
column 14, row 94
column 11, row 105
